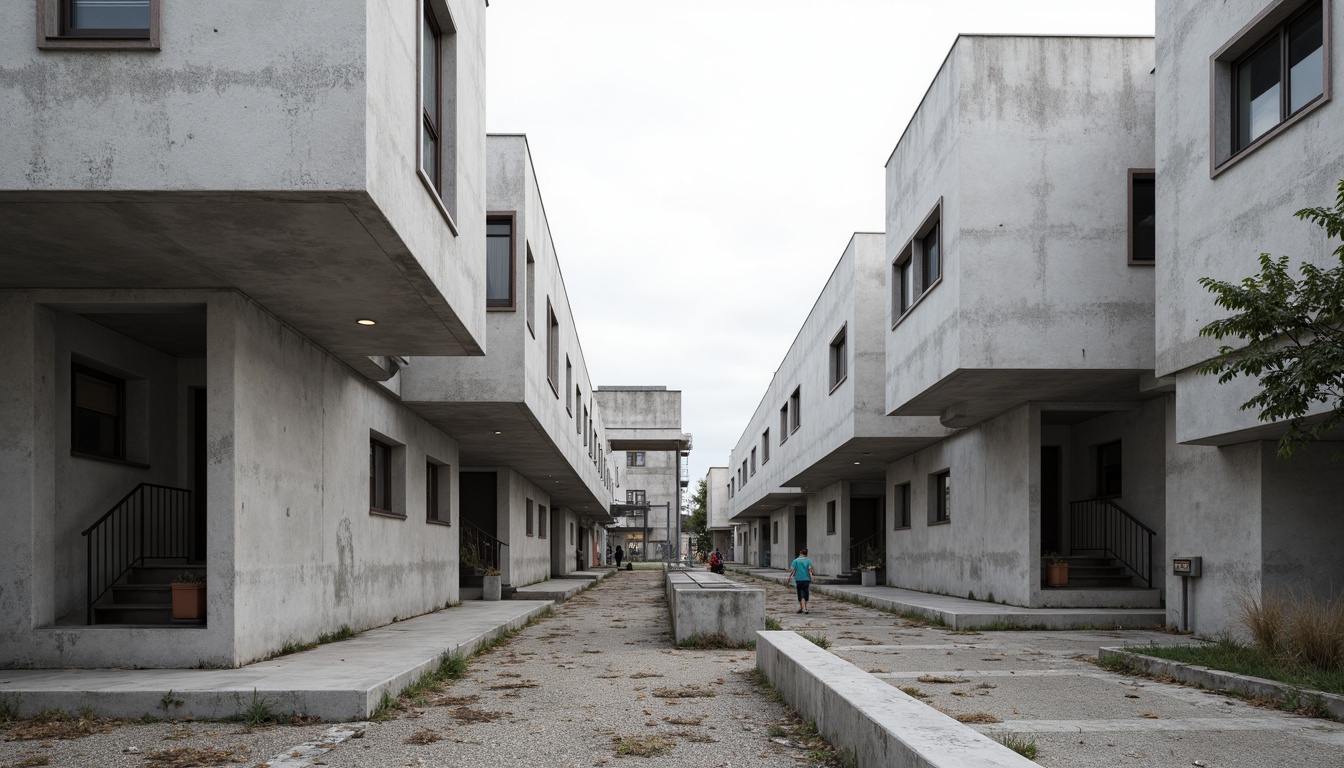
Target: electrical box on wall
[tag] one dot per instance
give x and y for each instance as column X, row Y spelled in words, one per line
column 1187, row 566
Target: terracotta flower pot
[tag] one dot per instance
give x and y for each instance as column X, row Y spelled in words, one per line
column 1057, row 575
column 189, row 601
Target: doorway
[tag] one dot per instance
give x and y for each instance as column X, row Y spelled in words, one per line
column 1051, row 501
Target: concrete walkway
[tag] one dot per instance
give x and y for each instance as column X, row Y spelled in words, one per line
column 960, row 613
column 338, row 681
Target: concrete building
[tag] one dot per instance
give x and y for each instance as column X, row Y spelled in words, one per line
column 536, row 473
column 1020, row 315
column 1234, row 164
column 647, row 443
column 221, row 242
column 717, row 518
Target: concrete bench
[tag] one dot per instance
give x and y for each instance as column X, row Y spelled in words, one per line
column 879, row 723
column 704, row 604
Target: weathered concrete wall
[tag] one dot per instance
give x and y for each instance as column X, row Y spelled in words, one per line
column 308, row 549
column 828, row 551
column 988, row 545
column 716, row 498
column 1030, row 165
column 704, row 604
column 529, row 555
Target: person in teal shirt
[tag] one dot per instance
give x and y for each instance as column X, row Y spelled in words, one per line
column 800, row 573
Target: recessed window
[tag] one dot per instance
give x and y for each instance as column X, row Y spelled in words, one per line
column 431, row 99
column 918, row 266
column 97, row 414
column 578, row 398
column 438, row 493
column 744, row 474
column 530, row 522
column 531, row 297
column 765, row 447
column 1109, row 469
column 634, row 458
column 795, row 409
column 107, row 24
column 552, row 349
column 753, row 461
column 839, row 359
column 931, row 257
column 940, row 497
column 1142, row 216
column 543, row 521
column 635, row 497
column 830, row 518
column 569, row 386
column 499, row 262
column 783, row 423
column 774, row 532
column 902, row 516
column 903, row 284
column 380, row 477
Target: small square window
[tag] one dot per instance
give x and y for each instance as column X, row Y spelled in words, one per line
column 636, row 497
column 105, row 24
column 634, row 458
column 830, row 518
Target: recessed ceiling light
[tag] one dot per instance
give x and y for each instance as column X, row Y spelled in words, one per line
column 498, row 433
column 366, row 321
column 857, row 463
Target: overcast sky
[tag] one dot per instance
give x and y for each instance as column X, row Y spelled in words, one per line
column 704, row 162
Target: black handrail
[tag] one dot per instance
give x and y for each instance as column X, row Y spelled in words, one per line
column 856, row 549
column 488, row 550
column 1100, row 524
column 150, row 521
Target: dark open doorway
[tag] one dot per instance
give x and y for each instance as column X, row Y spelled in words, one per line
column 1051, row 503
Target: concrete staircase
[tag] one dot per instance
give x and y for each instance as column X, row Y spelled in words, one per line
column 1094, row 572
column 144, row 596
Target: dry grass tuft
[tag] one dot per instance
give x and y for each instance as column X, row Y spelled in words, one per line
column 454, row 701
column 58, row 724
column 36, row 761
column 642, row 675
column 685, row 692
column 423, row 736
column 977, row 718
column 514, row 686
column 642, row 746
column 939, row 679
column 469, row 715
column 188, row 757
column 684, row 720
column 1295, row 627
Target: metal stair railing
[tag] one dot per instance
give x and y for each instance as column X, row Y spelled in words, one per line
column 149, row 522
column 480, row 548
column 1100, row 524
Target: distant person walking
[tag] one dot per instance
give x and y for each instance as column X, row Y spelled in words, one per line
column 620, row 555
column 800, row 573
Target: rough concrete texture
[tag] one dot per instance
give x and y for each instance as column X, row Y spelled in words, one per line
column 565, row 692
column 336, row 681
column 704, row 604
column 1046, row 688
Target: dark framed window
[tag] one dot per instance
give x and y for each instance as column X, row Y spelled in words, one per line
column 431, row 99
column 744, row 472
column 795, row 409
column 1109, row 469
column 1142, row 216
column 931, row 255
column 634, row 458
column 569, row 385
column 438, row 495
column 765, row 447
column 499, row 262
column 105, row 24
column 753, row 461
column 578, row 398
column 774, row 532
column 839, row 358
column 530, row 522
column 830, row 518
column 543, row 521
column 940, row 497
column 783, row 423
column 902, row 516
column 552, row 349
column 903, row 285
column 97, row 413
column 531, row 297
column 380, row 477
column 635, row 497
column 1279, row 76
column 584, row 424
column 571, row 532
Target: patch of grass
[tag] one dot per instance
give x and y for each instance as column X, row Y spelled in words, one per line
column 188, row 757
column 772, row 624
column 1022, row 745
column 294, row 646
column 940, row 679
column 386, row 709
column 344, row 633
column 9, row 711
column 910, row 690
column 1241, row 660
column 684, row 692
column 642, row 746
column 423, row 736
column 977, row 718
column 258, row 712
column 820, row 641
column 713, row 642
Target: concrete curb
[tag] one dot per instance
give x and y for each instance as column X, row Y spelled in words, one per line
column 876, row 721
column 1218, row 680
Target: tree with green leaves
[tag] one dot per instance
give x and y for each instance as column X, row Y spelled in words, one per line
column 1293, row 334
column 699, row 518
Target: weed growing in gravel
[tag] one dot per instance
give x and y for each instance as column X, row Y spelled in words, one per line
column 9, row 712
column 642, row 746
column 715, row 642
column 258, row 712
column 772, row 624
column 818, row 640
column 910, row 690
column 1022, row 745
column 977, row 718
column 386, row 709
column 940, row 679
column 423, row 736
column 187, row 757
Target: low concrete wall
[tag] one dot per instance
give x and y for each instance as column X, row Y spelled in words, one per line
column 703, row 603
column 858, row 712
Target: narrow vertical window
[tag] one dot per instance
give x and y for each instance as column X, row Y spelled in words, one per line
column 940, row 497
column 783, row 423
column 431, row 100
column 530, row 522
column 531, row 297
column 753, row 461
column 380, row 476
column 552, row 349
column 902, row 516
column 765, row 447
column 543, row 521
column 569, row 386
column 795, row 409
column 932, row 256
column 1109, row 472
column 774, row 532
column 1142, row 217
column 839, row 359
column 499, row 263
column 431, row 491
column 830, row 518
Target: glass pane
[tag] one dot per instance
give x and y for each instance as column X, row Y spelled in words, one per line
column 1145, row 207
column 932, row 264
column 96, row 394
column 109, row 14
column 95, row 433
column 429, row 156
column 497, row 276
column 1258, row 94
column 429, row 72
column 1305, row 61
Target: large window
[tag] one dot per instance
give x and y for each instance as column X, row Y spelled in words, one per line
column 1142, row 216
column 918, row 266
column 499, row 262
column 940, row 497
column 97, row 414
column 107, row 24
column 902, row 516
column 380, row 477
column 1283, row 73
column 839, row 359
column 634, row 458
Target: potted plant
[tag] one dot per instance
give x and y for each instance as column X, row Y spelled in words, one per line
column 490, row 584
column 873, row 559
column 189, row 596
column 1057, row 572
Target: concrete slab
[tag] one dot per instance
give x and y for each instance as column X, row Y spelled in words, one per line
column 703, row 604
column 338, row 681
column 554, row 590
column 960, row 613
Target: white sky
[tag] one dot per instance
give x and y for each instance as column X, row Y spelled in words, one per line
column 704, row 162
